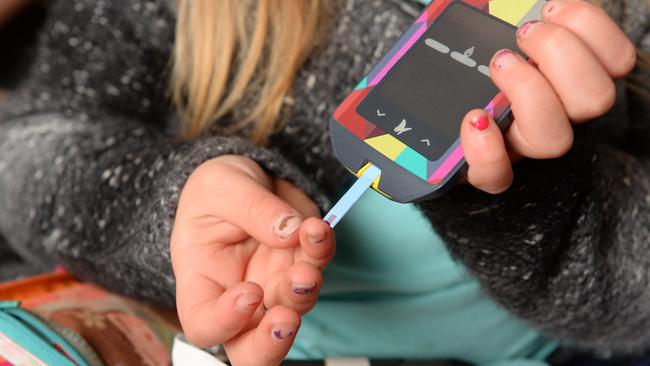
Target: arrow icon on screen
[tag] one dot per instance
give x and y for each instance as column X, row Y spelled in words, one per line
column 426, row 141
column 380, row 113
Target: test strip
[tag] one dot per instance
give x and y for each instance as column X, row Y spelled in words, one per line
column 352, row 195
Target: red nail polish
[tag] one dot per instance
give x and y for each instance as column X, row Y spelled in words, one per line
column 480, row 123
column 499, row 55
column 524, row 29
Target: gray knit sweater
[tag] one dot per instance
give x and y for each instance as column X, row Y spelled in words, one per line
column 90, row 172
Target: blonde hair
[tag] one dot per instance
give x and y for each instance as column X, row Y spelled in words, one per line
column 226, row 48
column 639, row 83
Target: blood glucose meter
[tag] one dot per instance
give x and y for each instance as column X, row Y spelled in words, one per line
column 404, row 117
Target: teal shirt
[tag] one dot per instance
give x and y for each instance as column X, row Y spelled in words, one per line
column 393, row 291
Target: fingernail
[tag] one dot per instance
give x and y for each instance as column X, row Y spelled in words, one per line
column 284, row 331
column 248, row 302
column 303, row 290
column 480, row 122
column 525, row 29
column 552, row 7
column 286, row 225
column 316, row 238
column 504, row 58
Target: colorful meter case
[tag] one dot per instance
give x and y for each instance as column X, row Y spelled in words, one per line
column 405, row 115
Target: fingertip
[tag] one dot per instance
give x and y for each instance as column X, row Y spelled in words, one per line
column 317, row 243
column 248, row 297
column 302, row 287
column 482, row 139
column 211, row 321
column 285, row 230
column 304, row 279
column 489, row 164
column 270, row 341
column 491, row 183
column 315, row 233
column 281, row 314
column 280, row 325
column 502, row 61
column 476, row 122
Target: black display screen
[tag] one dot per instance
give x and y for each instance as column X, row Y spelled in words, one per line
column 424, row 98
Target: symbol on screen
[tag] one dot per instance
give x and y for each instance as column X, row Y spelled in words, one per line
column 464, row 58
column 401, row 128
column 437, row 45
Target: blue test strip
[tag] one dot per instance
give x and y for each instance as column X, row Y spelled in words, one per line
column 352, row 195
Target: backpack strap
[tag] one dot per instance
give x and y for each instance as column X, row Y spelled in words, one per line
column 34, row 336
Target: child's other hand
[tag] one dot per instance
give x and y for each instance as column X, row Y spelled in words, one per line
column 577, row 52
column 240, row 246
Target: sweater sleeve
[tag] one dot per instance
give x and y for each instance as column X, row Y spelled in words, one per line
column 566, row 247
column 90, row 172
column 100, row 198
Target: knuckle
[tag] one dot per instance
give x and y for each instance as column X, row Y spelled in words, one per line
column 527, row 88
column 556, row 148
column 246, row 165
column 305, row 308
column 491, row 183
column 302, row 305
column 290, row 193
column 500, row 187
column 255, row 206
column 199, row 175
column 206, row 173
column 556, row 141
column 595, row 103
column 194, row 338
column 626, row 62
column 220, row 168
column 196, row 335
column 557, row 37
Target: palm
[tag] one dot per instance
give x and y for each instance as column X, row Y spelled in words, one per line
column 232, row 251
column 246, row 259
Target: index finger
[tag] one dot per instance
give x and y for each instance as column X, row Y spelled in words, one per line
column 238, row 196
column 597, row 31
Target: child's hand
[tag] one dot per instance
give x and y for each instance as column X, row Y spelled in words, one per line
column 240, row 246
column 576, row 51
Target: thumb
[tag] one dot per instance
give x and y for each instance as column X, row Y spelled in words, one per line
column 490, row 169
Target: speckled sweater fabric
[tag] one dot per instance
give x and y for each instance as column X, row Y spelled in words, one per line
column 91, row 170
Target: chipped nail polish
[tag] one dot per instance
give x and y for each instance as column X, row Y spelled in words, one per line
column 283, row 331
column 316, row 238
column 525, row 29
column 286, row 225
column 552, row 7
column 549, row 9
column 480, row 123
column 248, row 302
column 503, row 58
column 303, row 290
